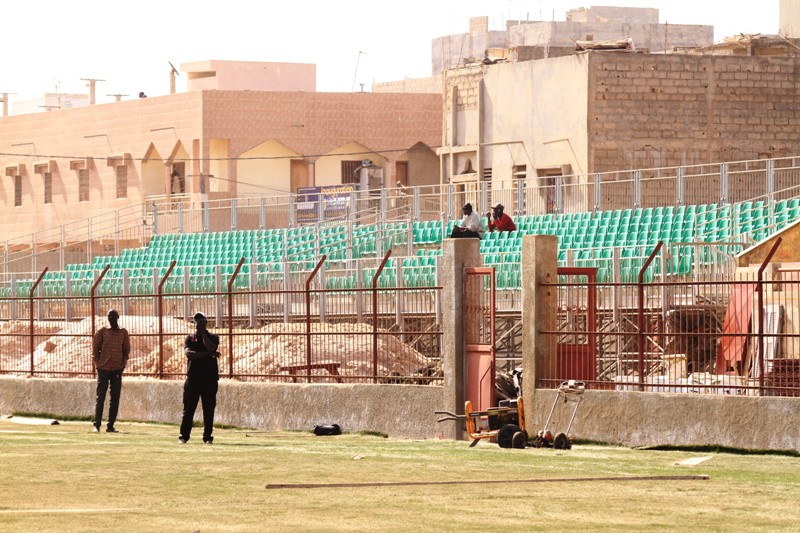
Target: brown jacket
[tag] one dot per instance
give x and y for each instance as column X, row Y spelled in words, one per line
column 110, row 348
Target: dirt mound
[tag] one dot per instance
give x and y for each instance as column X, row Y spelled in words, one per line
column 256, row 352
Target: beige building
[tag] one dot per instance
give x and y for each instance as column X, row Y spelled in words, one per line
column 527, row 40
column 219, row 140
column 606, row 111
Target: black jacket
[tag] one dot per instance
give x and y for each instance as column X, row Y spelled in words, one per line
column 202, row 361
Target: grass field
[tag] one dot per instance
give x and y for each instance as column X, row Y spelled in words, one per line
column 65, row 478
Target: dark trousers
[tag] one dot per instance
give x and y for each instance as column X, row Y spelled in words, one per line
column 106, row 379
column 459, row 233
column 204, row 390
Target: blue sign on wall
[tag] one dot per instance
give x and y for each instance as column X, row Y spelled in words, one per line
column 335, row 202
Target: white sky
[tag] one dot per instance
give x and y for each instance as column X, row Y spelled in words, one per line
column 48, row 44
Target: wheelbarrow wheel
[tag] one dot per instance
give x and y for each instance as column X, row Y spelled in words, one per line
column 561, row 442
column 505, row 436
column 520, row 439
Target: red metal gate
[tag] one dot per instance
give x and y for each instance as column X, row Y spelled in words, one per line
column 479, row 336
column 576, row 352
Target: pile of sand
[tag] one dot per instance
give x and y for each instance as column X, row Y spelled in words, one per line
column 256, row 352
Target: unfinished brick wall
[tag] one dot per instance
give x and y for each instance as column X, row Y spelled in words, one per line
column 653, row 111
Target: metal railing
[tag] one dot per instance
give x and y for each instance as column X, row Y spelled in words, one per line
column 735, row 336
column 719, row 184
column 273, row 328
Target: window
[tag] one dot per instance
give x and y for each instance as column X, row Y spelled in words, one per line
column 17, row 191
column 122, row 181
column 83, row 185
column 48, row 187
column 519, row 172
column 350, row 172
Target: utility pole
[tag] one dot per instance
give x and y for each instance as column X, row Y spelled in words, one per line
column 91, row 86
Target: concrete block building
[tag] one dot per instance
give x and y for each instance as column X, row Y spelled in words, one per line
column 607, row 111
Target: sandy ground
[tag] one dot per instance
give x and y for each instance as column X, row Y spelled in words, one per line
column 262, row 351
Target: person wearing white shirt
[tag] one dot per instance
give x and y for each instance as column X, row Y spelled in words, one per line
column 471, row 225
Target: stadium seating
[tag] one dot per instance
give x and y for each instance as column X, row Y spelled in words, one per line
column 584, row 239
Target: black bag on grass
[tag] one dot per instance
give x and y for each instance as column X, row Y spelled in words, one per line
column 327, row 429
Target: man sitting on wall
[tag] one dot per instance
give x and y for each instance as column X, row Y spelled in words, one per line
column 500, row 221
column 471, row 225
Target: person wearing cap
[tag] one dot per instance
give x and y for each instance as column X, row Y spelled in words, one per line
column 111, row 346
column 498, row 220
column 471, row 225
column 202, row 377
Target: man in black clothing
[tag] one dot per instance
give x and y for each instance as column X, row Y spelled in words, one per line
column 202, row 377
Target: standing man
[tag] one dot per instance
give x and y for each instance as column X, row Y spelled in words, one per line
column 202, row 377
column 471, row 225
column 111, row 347
column 500, row 221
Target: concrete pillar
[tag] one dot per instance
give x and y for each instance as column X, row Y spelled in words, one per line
column 457, row 254
column 539, row 265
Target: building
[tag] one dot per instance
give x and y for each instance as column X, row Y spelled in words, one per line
column 526, row 40
column 603, row 111
column 218, row 140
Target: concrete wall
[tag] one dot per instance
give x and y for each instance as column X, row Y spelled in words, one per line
column 654, row 419
column 432, row 84
column 250, row 76
column 656, row 111
column 403, row 411
column 650, row 37
column 399, row 410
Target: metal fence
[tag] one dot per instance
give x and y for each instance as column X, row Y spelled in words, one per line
column 286, row 327
column 736, row 336
column 767, row 180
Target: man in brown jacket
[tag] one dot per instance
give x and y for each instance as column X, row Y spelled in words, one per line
column 110, row 349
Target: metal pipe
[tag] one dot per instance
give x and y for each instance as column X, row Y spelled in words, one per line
column 761, row 313
column 375, row 316
column 308, row 314
column 30, row 306
column 230, row 316
column 161, row 320
column 640, row 317
column 92, row 305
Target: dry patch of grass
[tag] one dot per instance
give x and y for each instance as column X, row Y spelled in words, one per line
column 65, row 478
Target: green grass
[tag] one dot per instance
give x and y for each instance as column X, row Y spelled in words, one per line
column 65, row 478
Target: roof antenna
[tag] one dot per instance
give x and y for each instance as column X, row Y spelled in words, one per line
column 353, row 87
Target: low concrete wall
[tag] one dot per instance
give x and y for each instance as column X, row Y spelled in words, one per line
column 653, row 419
column 407, row 411
column 403, row 411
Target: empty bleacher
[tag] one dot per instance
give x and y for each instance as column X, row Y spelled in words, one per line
column 616, row 242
